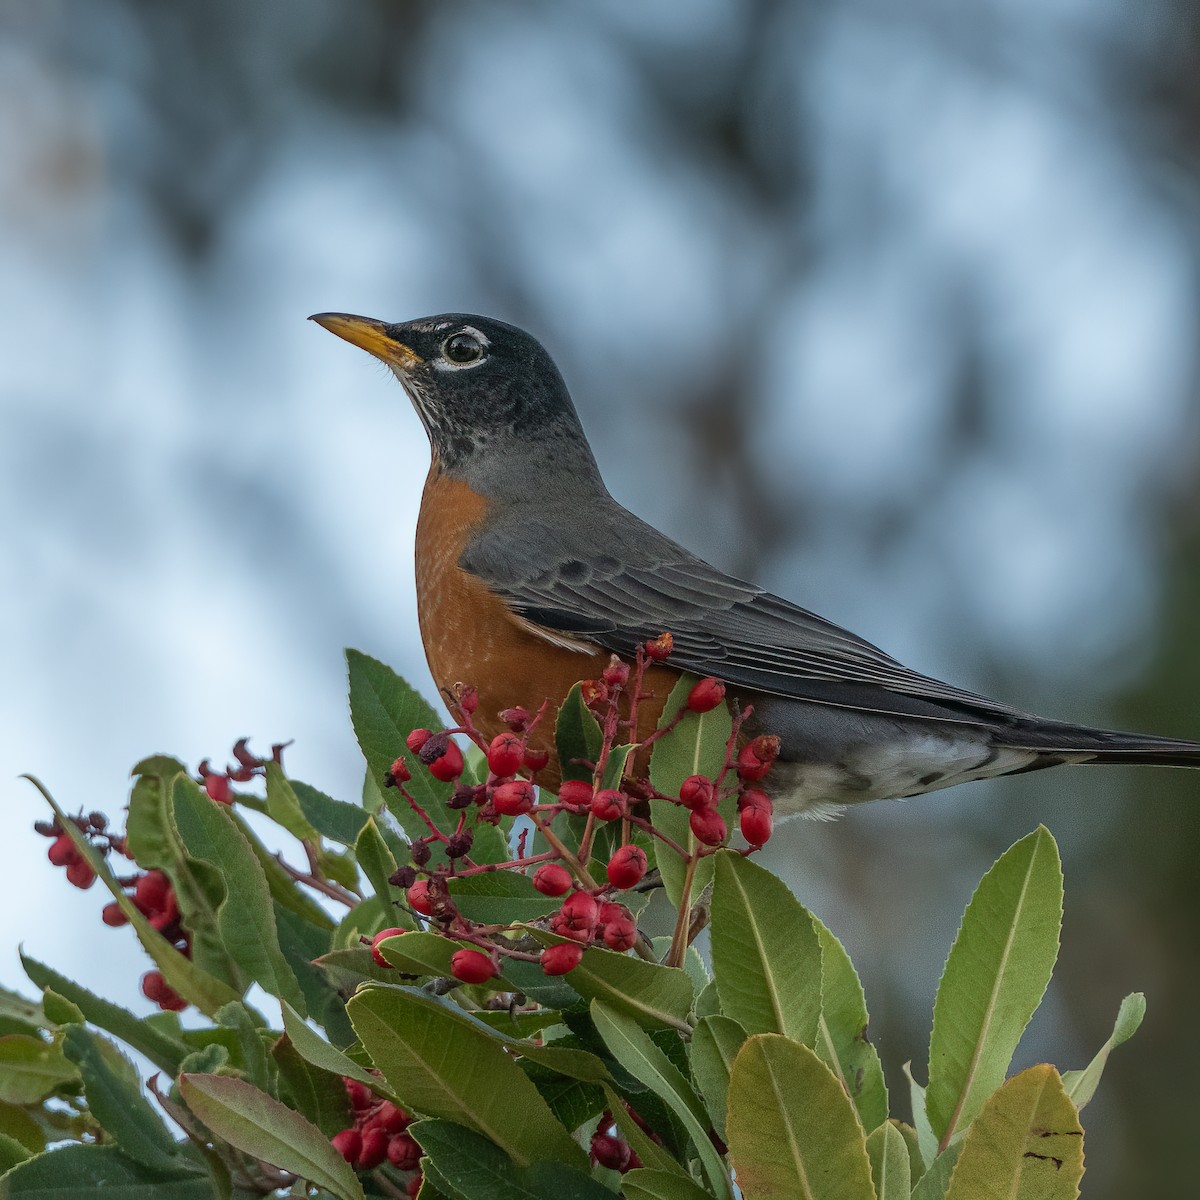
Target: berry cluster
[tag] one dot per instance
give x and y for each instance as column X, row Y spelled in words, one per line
column 219, row 784
column 378, row 1135
column 63, row 852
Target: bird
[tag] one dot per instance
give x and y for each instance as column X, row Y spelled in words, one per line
column 530, row 576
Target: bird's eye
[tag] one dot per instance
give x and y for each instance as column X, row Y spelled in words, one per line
column 462, row 348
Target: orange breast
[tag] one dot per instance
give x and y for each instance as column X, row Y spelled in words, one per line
column 473, row 638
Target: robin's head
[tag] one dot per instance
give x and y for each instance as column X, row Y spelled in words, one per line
column 477, row 384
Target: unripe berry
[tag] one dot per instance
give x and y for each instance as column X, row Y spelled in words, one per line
column 580, row 912
column 505, row 754
column 398, row 772
column 471, row 966
column 62, row 852
column 659, row 648
column 417, row 739
column 611, row 1152
column 348, row 1144
column 151, row 891
column 757, row 757
column 608, row 804
column 373, row 1151
column 697, row 792
column 535, row 758
column 448, row 765
column 708, row 826
column 756, row 825
column 616, row 674
column 513, row 799
column 380, row 961
column 419, row 899
column 626, row 867
column 552, row 880
column 111, row 914
column 561, row 958
column 706, row 695
column 575, row 795
column 80, row 875
column 403, row 1152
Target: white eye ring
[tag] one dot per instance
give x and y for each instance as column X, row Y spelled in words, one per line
column 445, row 361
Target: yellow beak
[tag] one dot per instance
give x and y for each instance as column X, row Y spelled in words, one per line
column 371, row 336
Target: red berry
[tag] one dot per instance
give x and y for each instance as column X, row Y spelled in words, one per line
column 755, row 798
column 449, row 764
column 156, row 988
column 392, row 1119
column 757, row 757
column 62, row 852
column 111, row 914
column 697, row 792
column 513, row 799
column 617, row 927
column 80, row 875
column 756, row 825
column 552, row 880
column 419, row 899
column 580, row 912
column 611, row 1152
column 608, row 804
column 468, row 700
column 561, row 958
column 616, row 674
column 505, row 754
column 708, row 826
column 380, row 961
column 575, row 795
column 403, row 1152
column 348, row 1144
column 218, row 789
column 151, row 891
column 359, row 1095
column 706, row 695
column 535, row 758
column 627, row 866
column 417, row 739
column 413, row 1188
column 398, row 772
column 471, row 966
column 373, row 1151
column 659, row 648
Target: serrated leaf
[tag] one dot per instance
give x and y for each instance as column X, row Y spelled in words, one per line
column 577, row 737
column 31, row 1070
column 316, row 1050
column 250, row 1120
column 318, row 1095
column 375, row 859
column 716, row 1041
column 631, row 1046
column 614, row 766
column 334, row 819
column 17, row 1124
column 890, row 1170
column 443, row 1065
column 571, row 1100
column 283, row 806
column 284, row 891
column 994, row 980
column 933, row 1183
column 249, row 1044
column 1025, row 1144
column 842, row 1032
column 500, row 898
column 927, row 1142
column 1081, row 1085
column 793, row 1132
column 696, row 746
column 78, row 1172
column 645, row 1184
column 114, row 1095
column 12, row 1152
column 765, row 952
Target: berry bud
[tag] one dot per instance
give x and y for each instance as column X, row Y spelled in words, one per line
column 446, row 765
column 594, row 692
column 697, row 792
column 516, row 718
column 561, row 958
column 626, row 867
column 374, row 1149
column 756, row 824
column 611, row 1152
column 403, row 1153
column 608, row 804
column 757, row 757
column 62, row 852
column 380, row 961
column 111, row 914
column 616, row 674
column 708, row 826
column 420, row 853
column 513, row 799
column 150, row 892
column 403, row 877
column 659, row 648
column 398, row 772
column 80, row 875
column 706, row 695
column 505, row 754
column 218, row 789
column 535, row 758
column 463, row 797
column 417, row 739
column 459, row 844
column 419, row 899
column 348, row 1144
column 552, row 880
column 471, row 966
column 575, row 795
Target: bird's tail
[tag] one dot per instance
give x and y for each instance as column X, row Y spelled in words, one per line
column 1108, row 745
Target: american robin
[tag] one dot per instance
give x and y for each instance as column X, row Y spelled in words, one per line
column 530, row 575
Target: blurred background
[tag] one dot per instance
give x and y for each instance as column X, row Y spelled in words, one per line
column 894, row 312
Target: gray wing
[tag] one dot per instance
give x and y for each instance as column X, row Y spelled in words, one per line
column 630, row 583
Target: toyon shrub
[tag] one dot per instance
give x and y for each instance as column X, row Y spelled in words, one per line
column 456, row 988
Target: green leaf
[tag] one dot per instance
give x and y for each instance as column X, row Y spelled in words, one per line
column 500, row 898
column 654, row 995
column 842, row 1032
column 765, row 952
column 301, row 943
column 283, row 888
column 716, row 1041
column 60, row 1010
column 253, row 1122
column 334, row 819
column 246, row 917
column 927, row 1142
column 283, row 806
column 632, row 1048
column 916, row 1164
column 1025, row 1144
column 316, row 1094
column 577, row 737
column 652, row 1155
column 645, row 1184
column 571, row 1101
column 994, row 979
column 78, row 1172
column 248, row 1041
column 1081, row 1085
column 18, row 1125
column 20, row 1015
column 114, row 1095
column 428, row 954
column 12, row 1152
column 614, row 767
column 316, row 1050
column 441, row 1064
column 375, row 859
column 890, row 1169
column 696, row 746
column 384, row 710
column 793, row 1133
column 478, row 1170
column 150, row 832
column 933, row 1184
column 31, row 1070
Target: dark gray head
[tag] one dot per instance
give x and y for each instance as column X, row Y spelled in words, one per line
column 488, row 394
